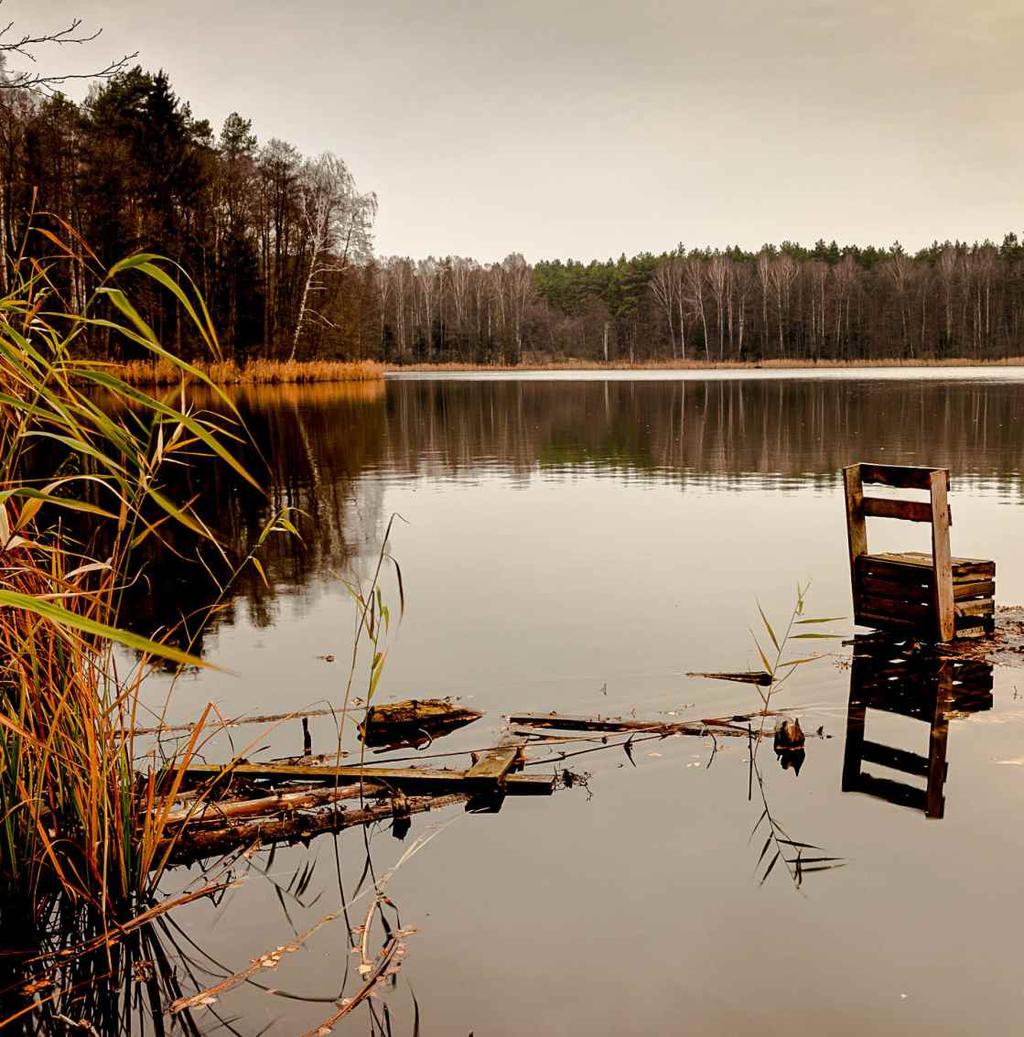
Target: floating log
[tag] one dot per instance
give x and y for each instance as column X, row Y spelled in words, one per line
column 413, row 722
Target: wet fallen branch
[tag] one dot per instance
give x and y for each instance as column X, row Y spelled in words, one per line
column 733, row 725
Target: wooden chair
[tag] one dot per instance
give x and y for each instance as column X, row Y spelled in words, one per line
column 931, row 596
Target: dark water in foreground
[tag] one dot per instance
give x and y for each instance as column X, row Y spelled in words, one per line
column 580, row 545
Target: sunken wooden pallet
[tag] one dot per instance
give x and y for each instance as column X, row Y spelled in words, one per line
column 933, row 596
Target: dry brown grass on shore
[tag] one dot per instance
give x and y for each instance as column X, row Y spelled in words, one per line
column 573, row 364
column 255, row 372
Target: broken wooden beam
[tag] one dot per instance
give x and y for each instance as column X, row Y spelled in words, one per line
column 493, row 767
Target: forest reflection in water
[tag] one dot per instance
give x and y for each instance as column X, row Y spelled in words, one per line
column 319, row 441
column 580, row 546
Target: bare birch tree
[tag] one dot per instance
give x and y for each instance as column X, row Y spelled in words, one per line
column 338, row 224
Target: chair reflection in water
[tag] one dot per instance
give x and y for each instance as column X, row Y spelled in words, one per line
column 912, row 681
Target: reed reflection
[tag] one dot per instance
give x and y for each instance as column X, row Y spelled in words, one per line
column 911, row 681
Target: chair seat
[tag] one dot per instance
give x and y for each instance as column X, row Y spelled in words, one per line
column 964, row 568
column 895, row 590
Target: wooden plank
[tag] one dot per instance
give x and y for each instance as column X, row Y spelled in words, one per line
column 903, row 477
column 917, row 611
column 856, row 527
column 981, row 589
column 568, row 722
column 980, row 607
column 420, row 779
column 493, row 766
column 964, row 569
column 911, row 589
column 967, row 571
column 885, row 507
column 884, row 621
column 896, row 759
column 942, row 558
column 896, row 572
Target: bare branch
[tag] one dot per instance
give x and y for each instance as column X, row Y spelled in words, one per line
column 26, row 46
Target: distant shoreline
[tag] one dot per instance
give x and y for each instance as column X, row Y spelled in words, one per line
column 702, row 365
column 308, row 372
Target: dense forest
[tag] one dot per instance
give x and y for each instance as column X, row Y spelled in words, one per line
column 281, row 247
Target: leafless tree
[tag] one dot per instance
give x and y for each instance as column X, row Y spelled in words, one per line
column 17, row 46
column 338, row 224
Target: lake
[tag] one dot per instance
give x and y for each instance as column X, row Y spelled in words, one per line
column 581, row 543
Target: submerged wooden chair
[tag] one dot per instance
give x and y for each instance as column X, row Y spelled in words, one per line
column 930, row 596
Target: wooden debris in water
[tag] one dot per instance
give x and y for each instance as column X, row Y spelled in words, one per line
column 407, row 779
column 760, row 677
column 564, row 722
column 271, row 808
column 413, row 722
column 494, row 765
column 215, row 842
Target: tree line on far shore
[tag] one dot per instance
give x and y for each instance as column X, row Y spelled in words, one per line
column 281, row 247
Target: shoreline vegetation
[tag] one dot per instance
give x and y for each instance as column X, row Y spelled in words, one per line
column 158, row 373
column 795, row 364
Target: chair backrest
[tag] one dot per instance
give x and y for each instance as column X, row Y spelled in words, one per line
column 935, row 511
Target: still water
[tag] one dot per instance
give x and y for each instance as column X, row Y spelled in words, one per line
column 581, row 544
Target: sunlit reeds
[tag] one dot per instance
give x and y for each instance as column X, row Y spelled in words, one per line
column 165, row 371
column 82, row 487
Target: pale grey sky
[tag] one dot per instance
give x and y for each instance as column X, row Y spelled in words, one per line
column 585, row 129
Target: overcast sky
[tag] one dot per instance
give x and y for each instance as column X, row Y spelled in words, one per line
column 586, row 129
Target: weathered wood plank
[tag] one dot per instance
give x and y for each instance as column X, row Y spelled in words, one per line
column 405, row 778
column 911, row 589
column 856, row 527
column 884, row 621
column 916, row 611
column 887, row 507
column 980, row 607
column 493, row 766
column 911, row 564
column 945, row 619
column 981, row 589
column 567, row 722
column 903, row 477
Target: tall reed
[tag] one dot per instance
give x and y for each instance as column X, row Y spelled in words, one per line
column 83, row 458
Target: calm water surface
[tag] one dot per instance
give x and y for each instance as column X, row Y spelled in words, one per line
column 580, row 544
